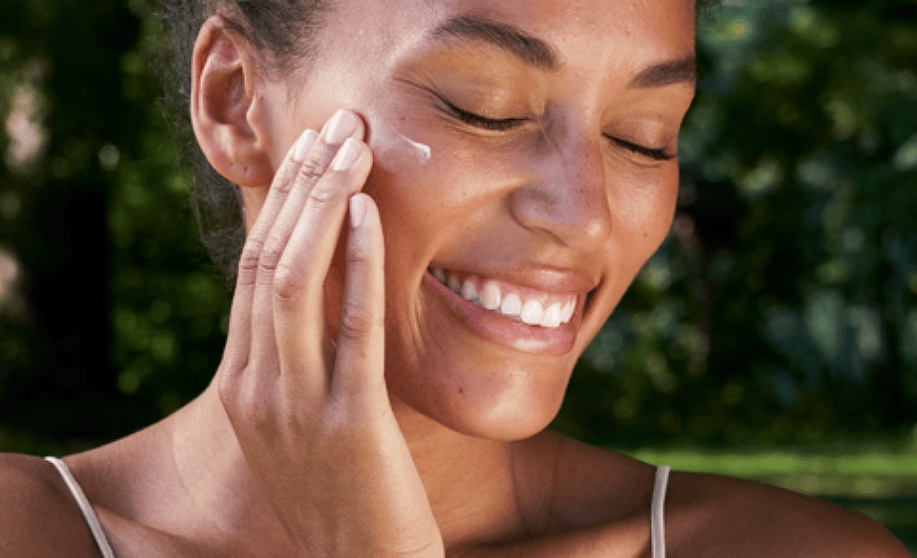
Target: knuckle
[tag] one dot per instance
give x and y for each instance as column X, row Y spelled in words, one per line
column 338, row 422
column 311, row 171
column 247, row 406
column 256, row 411
column 271, row 252
column 357, row 321
column 244, row 409
column 288, row 281
column 248, row 262
column 228, row 389
column 230, row 375
column 322, row 195
column 246, row 394
column 283, row 183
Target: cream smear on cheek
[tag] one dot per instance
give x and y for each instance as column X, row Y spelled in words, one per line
column 394, row 151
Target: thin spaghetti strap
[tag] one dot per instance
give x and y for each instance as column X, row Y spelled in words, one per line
column 657, row 512
column 88, row 513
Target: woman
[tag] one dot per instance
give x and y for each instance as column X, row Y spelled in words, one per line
column 386, row 394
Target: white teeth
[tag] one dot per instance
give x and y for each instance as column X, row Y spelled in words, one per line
column 511, row 305
column 454, row 285
column 551, row 316
column 532, row 313
column 490, row 296
column 566, row 313
column 440, row 275
column 469, row 291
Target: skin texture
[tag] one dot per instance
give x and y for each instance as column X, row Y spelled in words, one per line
column 553, row 205
column 355, row 412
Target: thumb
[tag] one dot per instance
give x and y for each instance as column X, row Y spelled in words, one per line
column 359, row 367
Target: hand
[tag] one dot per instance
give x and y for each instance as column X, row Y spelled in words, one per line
column 312, row 416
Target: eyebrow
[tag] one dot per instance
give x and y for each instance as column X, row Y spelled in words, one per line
column 532, row 51
column 667, row 73
column 539, row 54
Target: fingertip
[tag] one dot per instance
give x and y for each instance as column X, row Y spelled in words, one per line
column 303, row 145
column 358, row 124
column 347, row 155
column 366, row 238
column 363, row 210
column 357, row 210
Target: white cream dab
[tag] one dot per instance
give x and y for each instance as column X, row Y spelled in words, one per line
column 423, row 150
column 392, row 148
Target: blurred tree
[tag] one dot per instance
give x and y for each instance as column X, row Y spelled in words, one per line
column 54, row 202
column 783, row 305
column 112, row 320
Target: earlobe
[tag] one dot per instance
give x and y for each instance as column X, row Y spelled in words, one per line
column 225, row 106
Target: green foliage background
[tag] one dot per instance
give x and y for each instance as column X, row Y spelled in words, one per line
column 781, row 309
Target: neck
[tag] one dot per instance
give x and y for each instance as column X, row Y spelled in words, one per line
column 468, row 480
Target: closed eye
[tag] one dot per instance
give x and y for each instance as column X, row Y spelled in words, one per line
column 654, row 154
column 478, row 121
column 504, row 124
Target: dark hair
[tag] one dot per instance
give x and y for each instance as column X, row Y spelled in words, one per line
column 281, row 30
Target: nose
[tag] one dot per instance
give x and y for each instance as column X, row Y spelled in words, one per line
column 568, row 198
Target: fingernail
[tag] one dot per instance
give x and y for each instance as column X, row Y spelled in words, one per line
column 357, row 210
column 339, row 127
column 303, row 145
column 346, row 155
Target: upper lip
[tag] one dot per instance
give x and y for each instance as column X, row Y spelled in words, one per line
column 539, row 277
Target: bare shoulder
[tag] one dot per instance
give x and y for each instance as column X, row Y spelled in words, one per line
column 606, row 495
column 38, row 516
column 745, row 518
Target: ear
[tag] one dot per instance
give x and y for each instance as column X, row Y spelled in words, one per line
column 227, row 111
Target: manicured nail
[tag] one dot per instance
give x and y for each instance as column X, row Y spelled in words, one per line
column 346, row 155
column 303, row 145
column 357, row 210
column 339, row 127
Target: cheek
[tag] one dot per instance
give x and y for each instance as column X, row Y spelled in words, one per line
column 436, row 210
column 431, row 187
column 643, row 205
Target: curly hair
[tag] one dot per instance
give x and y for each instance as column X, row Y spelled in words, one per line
column 281, row 30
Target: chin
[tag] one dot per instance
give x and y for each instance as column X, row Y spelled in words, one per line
column 508, row 400
column 501, row 380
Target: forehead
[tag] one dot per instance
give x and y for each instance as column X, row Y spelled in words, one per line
column 596, row 31
column 575, row 24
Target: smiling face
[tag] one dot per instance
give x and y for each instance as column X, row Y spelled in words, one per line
column 524, row 152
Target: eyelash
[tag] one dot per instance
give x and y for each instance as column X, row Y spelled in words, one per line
column 504, row 124
column 478, row 121
column 655, row 154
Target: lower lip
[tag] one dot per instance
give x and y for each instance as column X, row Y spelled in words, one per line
column 506, row 331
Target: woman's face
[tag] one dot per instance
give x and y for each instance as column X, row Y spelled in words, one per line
column 521, row 148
